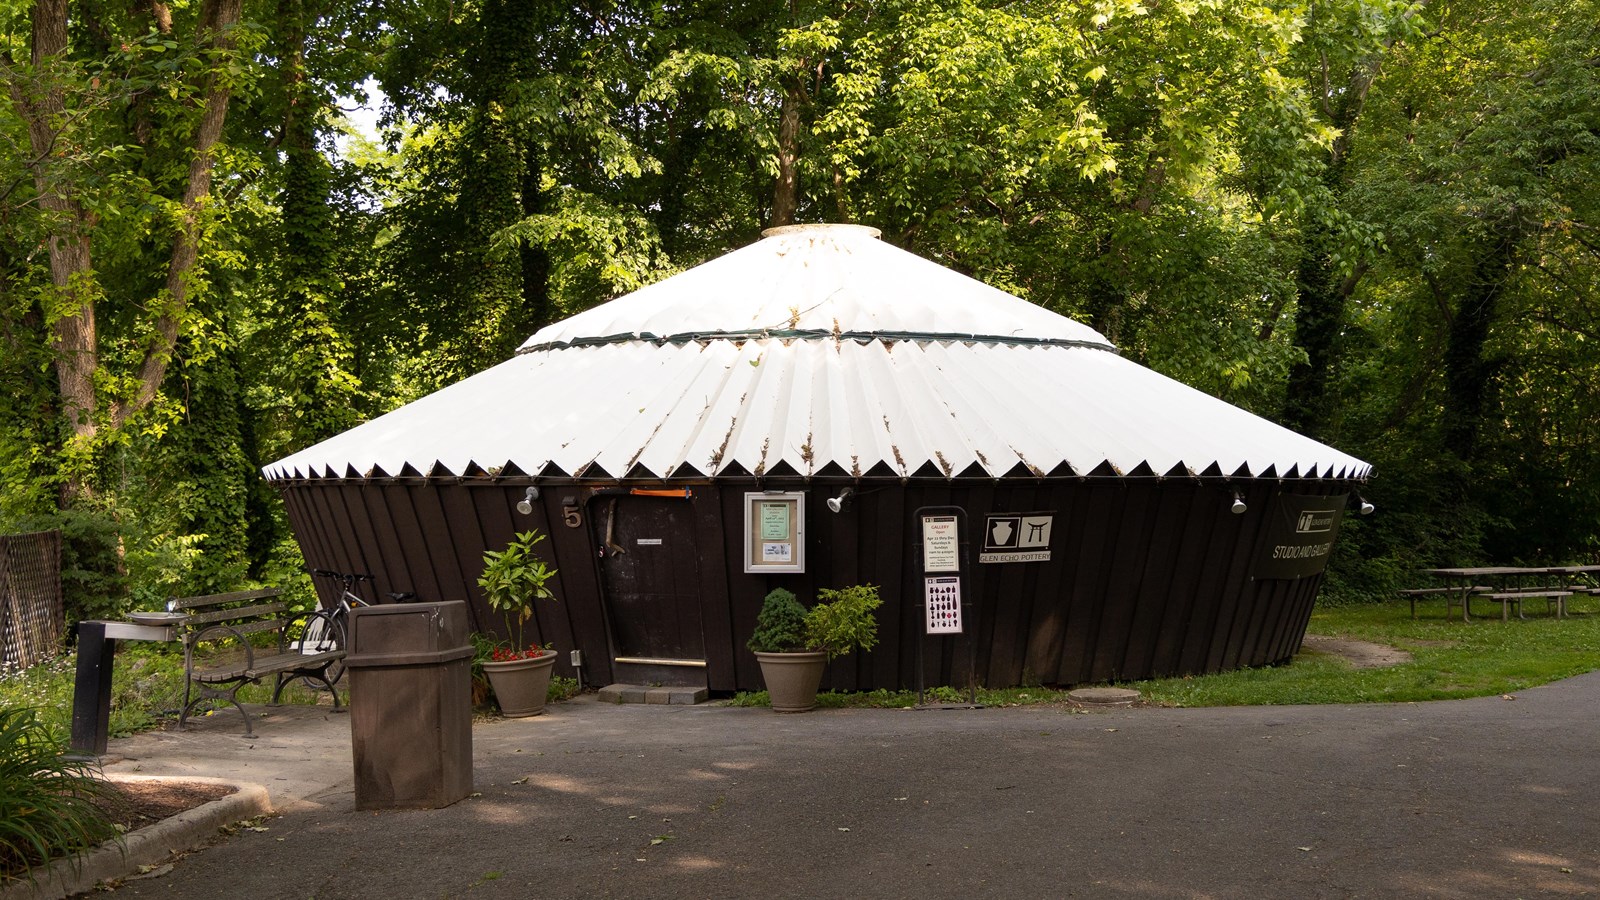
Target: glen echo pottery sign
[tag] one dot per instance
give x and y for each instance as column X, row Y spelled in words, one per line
column 1301, row 531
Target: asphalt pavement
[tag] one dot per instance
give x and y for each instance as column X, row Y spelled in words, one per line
column 1492, row 797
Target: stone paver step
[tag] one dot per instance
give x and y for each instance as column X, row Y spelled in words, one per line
column 662, row 696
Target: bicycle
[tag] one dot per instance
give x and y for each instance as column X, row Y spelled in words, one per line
column 328, row 632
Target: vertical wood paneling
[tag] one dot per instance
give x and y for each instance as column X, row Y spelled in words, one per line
column 894, row 661
column 1047, row 620
column 380, row 555
column 577, row 563
column 1002, row 614
column 402, row 537
column 722, row 643
column 1089, row 585
column 745, row 592
column 1238, row 592
column 338, row 548
column 1126, row 583
column 1145, row 579
column 1194, row 541
column 1169, row 508
column 449, row 579
column 461, row 522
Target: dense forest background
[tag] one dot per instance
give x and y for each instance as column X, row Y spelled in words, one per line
column 1375, row 221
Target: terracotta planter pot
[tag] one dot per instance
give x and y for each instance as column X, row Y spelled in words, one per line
column 520, row 685
column 792, row 679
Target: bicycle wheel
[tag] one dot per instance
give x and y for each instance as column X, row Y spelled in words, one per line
column 323, row 631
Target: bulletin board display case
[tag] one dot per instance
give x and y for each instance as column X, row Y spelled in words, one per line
column 774, row 532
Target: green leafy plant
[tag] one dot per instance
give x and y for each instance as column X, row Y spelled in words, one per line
column 780, row 626
column 47, row 799
column 512, row 580
column 844, row 620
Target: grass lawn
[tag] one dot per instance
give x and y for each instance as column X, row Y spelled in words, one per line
column 1450, row 659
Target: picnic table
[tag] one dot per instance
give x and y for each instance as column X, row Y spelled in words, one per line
column 1507, row 585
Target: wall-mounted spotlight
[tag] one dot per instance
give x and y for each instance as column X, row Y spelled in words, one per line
column 1363, row 506
column 837, row 504
column 525, row 505
column 1238, row 506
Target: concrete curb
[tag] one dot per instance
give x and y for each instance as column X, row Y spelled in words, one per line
column 145, row 846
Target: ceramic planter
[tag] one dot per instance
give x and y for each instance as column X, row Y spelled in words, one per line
column 792, row 679
column 520, row 685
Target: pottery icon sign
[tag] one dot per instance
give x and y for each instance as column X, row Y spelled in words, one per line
column 1017, row 537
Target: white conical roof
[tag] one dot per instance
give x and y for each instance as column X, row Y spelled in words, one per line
column 818, row 350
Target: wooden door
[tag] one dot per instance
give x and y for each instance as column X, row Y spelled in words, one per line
column 651, row 575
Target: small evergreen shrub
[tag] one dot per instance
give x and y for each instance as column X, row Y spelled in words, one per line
column 780, row 626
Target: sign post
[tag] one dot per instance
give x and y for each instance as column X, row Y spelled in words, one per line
column 943, row 546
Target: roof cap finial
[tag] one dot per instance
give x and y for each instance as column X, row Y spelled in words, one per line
column 822, row 228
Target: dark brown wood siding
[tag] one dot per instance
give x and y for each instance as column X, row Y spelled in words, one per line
column 1147, row 577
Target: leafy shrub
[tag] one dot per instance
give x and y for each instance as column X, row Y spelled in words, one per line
column 47, row 800
column 780, row 626
column 93, row 582
column 512, row 579
column 844, row 620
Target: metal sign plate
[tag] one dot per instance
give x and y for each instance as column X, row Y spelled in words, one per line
column 1017, row 537
column 943, row 602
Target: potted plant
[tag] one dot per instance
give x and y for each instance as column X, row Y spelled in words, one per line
column 518, row 672
column 793, row 644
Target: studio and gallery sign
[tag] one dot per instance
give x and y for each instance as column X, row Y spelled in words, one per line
column 1300, row 535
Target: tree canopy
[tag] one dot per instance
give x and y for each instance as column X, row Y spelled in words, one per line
column 1376, row 221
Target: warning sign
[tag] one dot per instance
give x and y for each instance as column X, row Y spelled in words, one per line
column 1017, row 537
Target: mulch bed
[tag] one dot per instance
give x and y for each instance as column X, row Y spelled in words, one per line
column 135, row 804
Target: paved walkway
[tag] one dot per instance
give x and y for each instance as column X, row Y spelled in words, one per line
column 1476, row 798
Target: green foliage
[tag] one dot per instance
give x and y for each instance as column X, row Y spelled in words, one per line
column 1396, row 198
column 47, row 799
column 513, row 579
column 844, row 621
column 780, row 625
column 561, row 689
column 93, row 577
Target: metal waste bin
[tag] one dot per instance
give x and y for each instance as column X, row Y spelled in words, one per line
column 410, row 704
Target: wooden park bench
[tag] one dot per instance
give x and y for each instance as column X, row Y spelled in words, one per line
column 239, row 638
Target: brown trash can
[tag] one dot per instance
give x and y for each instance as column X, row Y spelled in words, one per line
column 410, row 704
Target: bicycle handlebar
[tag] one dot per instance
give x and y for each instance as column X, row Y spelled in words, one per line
column 350, row 579
column 329, row 573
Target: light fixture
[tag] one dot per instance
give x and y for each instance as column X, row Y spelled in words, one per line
column 837, row 504
column 525, row 505
column 1238, row 506
column 1364, row 506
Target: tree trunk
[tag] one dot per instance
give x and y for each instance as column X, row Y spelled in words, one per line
column 217, row 20
column 538, row 310
column 1319, row 316
column 43, row 108
column 786, row 192
column 1467, row 373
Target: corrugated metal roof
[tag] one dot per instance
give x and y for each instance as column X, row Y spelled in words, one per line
column 814, row 350
column 821, row 280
